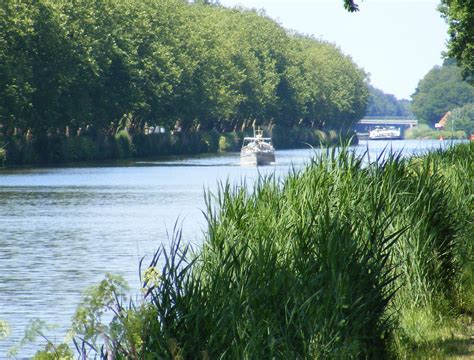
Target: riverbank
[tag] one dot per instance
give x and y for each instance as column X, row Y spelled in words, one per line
column 312, row 265
column 424, row 132
column 61, row 149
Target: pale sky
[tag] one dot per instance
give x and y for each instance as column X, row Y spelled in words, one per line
column 396, row 41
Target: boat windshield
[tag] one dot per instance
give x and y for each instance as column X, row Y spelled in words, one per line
column 249, row 140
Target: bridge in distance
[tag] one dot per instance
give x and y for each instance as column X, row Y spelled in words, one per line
column 368, row 123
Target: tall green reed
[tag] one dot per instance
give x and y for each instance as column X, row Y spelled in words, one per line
column 319, row 264
column 289, row 269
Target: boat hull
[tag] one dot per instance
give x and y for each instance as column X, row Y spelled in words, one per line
column 257, row 158
column 385, row 138
column 257, row 150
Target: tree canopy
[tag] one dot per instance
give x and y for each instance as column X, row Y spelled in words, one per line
column 442, row 89
column 106, row 64
column 462, row 119
column 459, row 15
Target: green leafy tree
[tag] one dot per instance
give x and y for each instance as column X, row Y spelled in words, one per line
column 459, row 15
column 112, row 65
column 462, row 119
column 16, row 88
column 441, row 90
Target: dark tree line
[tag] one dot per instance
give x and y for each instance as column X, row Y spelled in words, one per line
column 110, row 64
column 382, row 104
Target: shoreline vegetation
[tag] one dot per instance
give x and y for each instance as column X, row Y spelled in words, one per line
column 85, row 80
column 425, row 132
column 58, row 150
column 338, row 260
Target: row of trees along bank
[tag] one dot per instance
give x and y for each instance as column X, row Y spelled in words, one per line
column 89, row 70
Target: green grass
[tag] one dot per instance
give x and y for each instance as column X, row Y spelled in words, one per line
column 442, row 327
column 427, row 334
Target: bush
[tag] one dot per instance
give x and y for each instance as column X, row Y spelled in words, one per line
column 123, row 144
column 229, row 142
column 301, row 137
column 80, row 149
column 425, row 132
column 211, row 139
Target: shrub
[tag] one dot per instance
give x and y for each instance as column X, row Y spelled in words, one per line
column 211, row 139
column 425, row 132
column 123, row 144
column 230, row 142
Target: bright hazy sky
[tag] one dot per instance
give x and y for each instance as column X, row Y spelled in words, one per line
column 396, row 41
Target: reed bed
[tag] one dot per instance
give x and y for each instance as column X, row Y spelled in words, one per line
column 328, row 262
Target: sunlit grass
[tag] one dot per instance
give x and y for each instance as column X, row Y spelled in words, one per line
column 427, row 334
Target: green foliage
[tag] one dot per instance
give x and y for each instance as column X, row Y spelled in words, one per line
column 4, row 329
column 284, row 138
column 459, row 15
column 381, row 104
column 425, row 132
column 36, row 328
column 455, row 165
column 462, row 119
column 124, row 144
column 424, row 208
column 427, row 335
column 351, row 6
column 97, row 68
column 280, row 264
column 88, row 320
column 210, row 140
column 342, row 259
column 435, row 329
column 313, row 78
column 441, row 90
column 3, row 156
column 39, row 328
column 230, row 142
column 62, row 352
column 80, row 148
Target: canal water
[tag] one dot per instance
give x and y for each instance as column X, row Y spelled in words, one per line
column 62, row 229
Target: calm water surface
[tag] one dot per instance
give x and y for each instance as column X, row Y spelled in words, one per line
column 62, row 229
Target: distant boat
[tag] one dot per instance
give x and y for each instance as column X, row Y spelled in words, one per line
column 257, row 150
column 385, row 133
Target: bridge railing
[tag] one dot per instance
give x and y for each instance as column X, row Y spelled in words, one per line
column 388, row 121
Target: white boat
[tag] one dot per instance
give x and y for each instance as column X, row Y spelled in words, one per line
column 257, row 150
column 385, row 133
